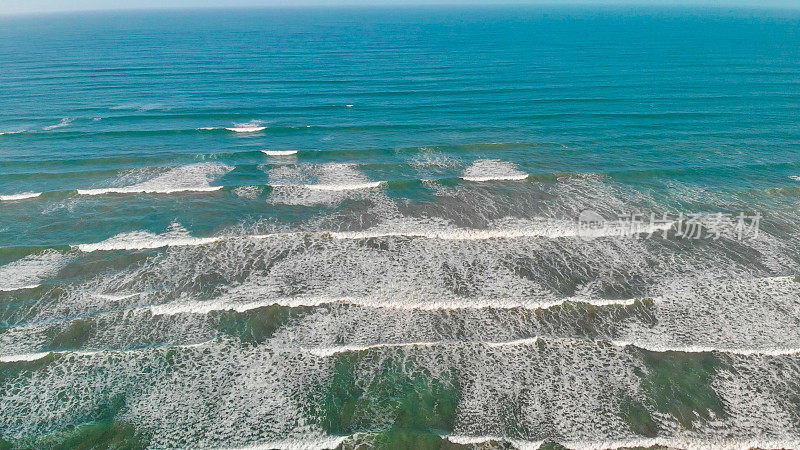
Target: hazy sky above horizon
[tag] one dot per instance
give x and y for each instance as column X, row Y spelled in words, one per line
column 46, row 6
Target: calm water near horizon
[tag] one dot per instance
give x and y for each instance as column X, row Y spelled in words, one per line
column 407, row 228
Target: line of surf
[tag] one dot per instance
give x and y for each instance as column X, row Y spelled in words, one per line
column 493, row 170
column 133, row 190
column 187, row 178
column 333, row 350
column 18, row 288
column 555, row 230
column 665, row 442
column 139, row 240
column 496, row 178
column 279, row 152
column 785, row 351
column 342, row 187
column 328, row 351
column 26, row 357
column 144, row 241
column 208, row 306
column 329, row 442
column 20, row 196
column 245, row 129
column 316, row 442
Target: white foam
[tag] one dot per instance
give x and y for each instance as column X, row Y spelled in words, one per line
column 508, row 383
column 507, row 228
column 133, row 190
column 330, row 351
column 695, row 444
column 248, row 192
column 687, row 443
column 39, row 355
column 23, row 357
column 194, row 178
column 342, row 187
column 709, row 349
column 279, row 152
column 63, row 123
column 176, row 236
column 250, row 127
column 225, row 304
column 244, row 129
column 493, row 170
column 116, row 297
column 314, row 184
column 20, row 196
column 473, row 440
column 28, row 272
column 313, row 442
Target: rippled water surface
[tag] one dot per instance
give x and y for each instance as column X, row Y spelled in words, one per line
column 310, row 228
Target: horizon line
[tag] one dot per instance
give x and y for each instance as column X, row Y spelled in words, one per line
column 443, row 4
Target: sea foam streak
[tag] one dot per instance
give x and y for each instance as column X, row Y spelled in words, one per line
column 20, row 196
column 176, row 236
column 194, row 178
column 28, row 272
column 63, row 123
column 493, row 169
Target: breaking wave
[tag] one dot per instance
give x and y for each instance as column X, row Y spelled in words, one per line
column 30, row 271
column 279, row 152
column 191, row 178
column 493, row 170
column 20, row 196
column 176, row 236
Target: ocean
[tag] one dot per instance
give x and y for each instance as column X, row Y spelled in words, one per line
column 438, row 227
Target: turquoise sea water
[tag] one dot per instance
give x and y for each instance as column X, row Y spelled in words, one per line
column 321, row 228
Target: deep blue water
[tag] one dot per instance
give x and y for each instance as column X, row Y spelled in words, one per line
column 453, row 150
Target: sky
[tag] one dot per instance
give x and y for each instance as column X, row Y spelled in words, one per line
column 48, row 6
